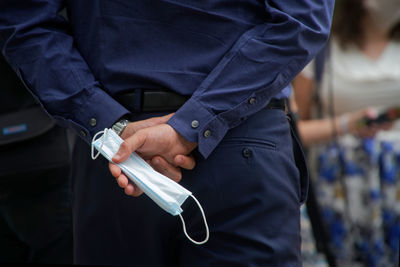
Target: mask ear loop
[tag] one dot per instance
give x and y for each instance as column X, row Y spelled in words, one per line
column 104, row 132
column 205, row 223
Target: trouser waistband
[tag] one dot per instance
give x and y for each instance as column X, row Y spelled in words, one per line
column 159, row 101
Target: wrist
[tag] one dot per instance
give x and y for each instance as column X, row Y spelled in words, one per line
column 342, row 124
column 120, row 125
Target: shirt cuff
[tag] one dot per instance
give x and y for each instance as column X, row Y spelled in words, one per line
column 198, row 124
column 95, row 112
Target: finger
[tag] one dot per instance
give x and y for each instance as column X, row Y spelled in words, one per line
column 130, row 188
column 114, row 169
column 167, row 117
column 128, row 146
column 122, row 181
column 165, row 168
column 133, row 190
column 163, row 119
column 133, row 127
column 186, row 162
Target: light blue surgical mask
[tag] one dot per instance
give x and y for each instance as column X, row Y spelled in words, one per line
column 168, row 194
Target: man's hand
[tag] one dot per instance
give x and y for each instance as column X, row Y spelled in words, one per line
column 133, row 127
column 159, row 144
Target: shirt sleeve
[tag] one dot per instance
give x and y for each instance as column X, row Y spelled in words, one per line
column 262, row 62
column 35, row 41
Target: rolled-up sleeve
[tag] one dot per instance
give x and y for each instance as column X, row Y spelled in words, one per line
column 35, row 40
column 261, row 63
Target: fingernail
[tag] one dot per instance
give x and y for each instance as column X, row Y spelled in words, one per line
column 117, row 157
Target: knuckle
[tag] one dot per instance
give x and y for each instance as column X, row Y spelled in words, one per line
column 124, row 146
column 141, row 137
column 178, row 177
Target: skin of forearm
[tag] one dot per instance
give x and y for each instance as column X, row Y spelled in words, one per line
column 317, row 131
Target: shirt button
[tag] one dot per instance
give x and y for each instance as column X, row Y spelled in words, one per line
column 83, row 133
column 247, row 152
column 195, row 124
column 252, row 101
column 93, row 122
column 207, row 133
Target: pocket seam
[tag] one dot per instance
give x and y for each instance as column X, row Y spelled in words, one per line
column 249, row 141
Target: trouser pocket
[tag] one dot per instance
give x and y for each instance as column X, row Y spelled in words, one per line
column 300, row 160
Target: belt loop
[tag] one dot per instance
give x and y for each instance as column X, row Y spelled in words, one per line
column 137, row 106
column 287, row 106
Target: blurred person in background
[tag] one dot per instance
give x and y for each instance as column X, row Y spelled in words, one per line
column 35, row 207
column 348, row 99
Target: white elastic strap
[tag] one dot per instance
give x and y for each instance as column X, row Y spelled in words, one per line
column 104, row 132
column 205, row 223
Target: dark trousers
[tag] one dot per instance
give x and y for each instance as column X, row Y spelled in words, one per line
column 250, row 190
column 35, row 217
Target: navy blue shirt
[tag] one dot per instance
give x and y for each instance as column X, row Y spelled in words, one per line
column 220, row 52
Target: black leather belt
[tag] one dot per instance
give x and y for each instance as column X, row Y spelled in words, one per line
column 158, row 101
column 278, row 104
column 151, row 100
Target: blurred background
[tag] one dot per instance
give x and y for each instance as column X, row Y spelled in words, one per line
column 347, row 103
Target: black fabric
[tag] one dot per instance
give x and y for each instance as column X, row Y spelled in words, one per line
column 35, row 218
column 29, row 139
column 21, row 117
column 13, row 95
column 24, row 124
column 301, row 163
column 46, row 151
column 319, row 68
column 35, row 208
